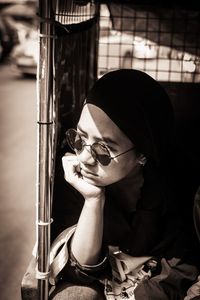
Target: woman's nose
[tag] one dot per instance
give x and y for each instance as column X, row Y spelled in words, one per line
column 85, row 156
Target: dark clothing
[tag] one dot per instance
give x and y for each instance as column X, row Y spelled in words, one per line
column 151, row 225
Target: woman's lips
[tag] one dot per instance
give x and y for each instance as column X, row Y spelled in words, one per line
column 87, row 173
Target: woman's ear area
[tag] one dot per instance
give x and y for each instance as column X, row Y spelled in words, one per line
column 141, row 159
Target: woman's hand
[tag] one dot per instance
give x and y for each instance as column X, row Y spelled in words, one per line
column 73, row 176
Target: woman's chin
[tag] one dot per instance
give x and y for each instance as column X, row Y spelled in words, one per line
column 96, row 182
column 92, row 180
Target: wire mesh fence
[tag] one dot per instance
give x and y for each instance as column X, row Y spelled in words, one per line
column 94, row 37
column 164, row 42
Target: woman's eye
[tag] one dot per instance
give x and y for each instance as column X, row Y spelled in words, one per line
column 113, row 149
column 81, row 135
column 83, row 140
column 110, row 148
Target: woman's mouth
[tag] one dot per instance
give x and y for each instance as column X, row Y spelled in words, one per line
column 87, row 173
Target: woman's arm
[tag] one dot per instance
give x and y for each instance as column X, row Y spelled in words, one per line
column 87, row 240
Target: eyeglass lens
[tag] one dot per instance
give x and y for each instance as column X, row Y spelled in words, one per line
column 98, row 150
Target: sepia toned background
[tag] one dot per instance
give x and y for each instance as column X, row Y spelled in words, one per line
column 17, row 152
column 162, row 41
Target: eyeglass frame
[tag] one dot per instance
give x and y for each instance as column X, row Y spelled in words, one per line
column 93, row 151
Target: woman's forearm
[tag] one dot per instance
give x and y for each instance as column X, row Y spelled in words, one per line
column 87, row 240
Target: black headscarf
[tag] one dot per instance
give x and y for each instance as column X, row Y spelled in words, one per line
column 139, row 106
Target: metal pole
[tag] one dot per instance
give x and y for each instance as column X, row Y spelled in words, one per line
column 45, row 132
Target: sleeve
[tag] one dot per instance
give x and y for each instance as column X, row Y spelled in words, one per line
column 85, row 274
column 194, row 291
column 171, row 284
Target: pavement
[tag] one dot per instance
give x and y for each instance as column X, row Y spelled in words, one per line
column 17, row 178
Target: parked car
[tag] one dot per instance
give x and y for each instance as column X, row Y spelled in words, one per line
column 25, row 55
column 118, row 49
column 21, row 18
column 8, row 37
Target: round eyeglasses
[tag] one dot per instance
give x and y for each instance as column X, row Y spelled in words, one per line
column 98, row 150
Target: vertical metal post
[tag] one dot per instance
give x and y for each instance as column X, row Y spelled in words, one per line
column 45, row 132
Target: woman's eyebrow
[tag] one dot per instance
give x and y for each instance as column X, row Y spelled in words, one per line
column 107, row 140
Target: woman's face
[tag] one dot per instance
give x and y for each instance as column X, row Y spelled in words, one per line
column 95, row 126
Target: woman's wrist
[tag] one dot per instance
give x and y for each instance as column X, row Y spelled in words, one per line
column 97, row 201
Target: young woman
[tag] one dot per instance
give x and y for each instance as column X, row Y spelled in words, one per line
column 120, row 169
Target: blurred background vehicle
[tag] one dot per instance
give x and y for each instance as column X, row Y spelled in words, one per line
column 122, row 46
column 25, row 54
column 8, row 36
column 117, row 48
column 18, row 34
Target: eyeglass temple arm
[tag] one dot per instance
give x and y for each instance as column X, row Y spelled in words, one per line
column 122, row 153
